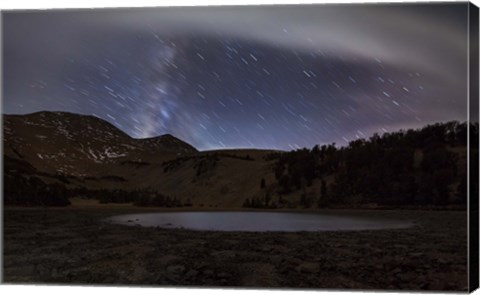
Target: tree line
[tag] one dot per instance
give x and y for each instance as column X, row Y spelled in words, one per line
column 413, row 167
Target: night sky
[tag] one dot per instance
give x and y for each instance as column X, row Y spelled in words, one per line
column 278, row 77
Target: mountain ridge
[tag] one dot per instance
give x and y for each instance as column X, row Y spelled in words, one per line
column 88, row 156
column 94, row 117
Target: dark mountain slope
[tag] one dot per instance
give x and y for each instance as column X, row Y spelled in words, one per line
column 91, row 157
column 79, row 145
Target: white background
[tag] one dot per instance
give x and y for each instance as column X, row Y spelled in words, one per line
column 80, row 290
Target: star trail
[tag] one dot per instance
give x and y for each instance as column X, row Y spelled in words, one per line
column 277, row 77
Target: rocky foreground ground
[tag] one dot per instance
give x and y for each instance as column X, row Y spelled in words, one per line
column 74, row 246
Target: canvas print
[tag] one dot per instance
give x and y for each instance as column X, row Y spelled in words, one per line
column 269, row 146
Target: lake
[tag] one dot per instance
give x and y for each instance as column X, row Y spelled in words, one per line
column 258, row 221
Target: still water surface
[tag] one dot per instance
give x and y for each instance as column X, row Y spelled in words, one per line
column 258, row 221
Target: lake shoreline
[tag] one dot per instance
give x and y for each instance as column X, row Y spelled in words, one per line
column 249, row 221
column 73, row 246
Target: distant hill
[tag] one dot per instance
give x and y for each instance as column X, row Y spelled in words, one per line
column 50, row 156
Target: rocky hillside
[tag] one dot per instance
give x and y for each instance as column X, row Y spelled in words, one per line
column 78, row 145
column 87, row 153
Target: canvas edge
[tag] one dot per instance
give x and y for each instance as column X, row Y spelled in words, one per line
column 473, row 117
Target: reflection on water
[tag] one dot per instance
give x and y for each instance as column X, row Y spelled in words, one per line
column 257, row 221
